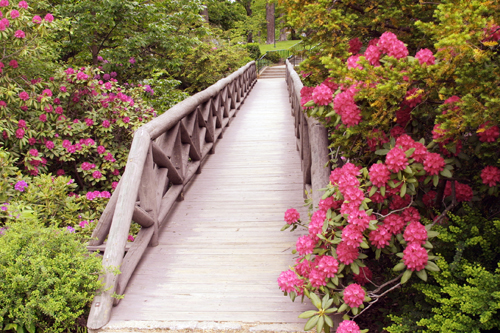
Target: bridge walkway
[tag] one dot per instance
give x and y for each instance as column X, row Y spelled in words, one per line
column 221, row 251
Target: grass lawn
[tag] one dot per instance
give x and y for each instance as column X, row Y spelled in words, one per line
column 279, row 46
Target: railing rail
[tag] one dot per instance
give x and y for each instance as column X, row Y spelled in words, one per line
column 165, row 154
column 312, row 140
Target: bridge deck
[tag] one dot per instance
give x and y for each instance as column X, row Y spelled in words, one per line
column 221, row 251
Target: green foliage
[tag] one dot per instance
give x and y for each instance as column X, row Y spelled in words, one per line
column 224, row 14
column 47, row 278
column 274, row 57
column 254, row 50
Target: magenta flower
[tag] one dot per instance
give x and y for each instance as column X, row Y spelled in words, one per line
column 43, row 117
column 132, row 60
column 415, row 257
column 49, row 17
column 97, row 174
column 21, row 123
column 19, row 34
column 70, row 229
column 89, row 122
column 60, row 172
column 23, row 4
column 19, row 133
column 354, row 295
column 490, row 175
column 2, row 26
column 13, row 64
column 4, row 3
column 49, row 144
column 14, row 13
column 33, row 152
column 130, row 238
column 20, row 186
column 126, row 120
column 105, row 124
column 63, row 89
column 6, row 22
column 292, row 216
column 105, row 194
column 101, row 149
column 348, row 326
column 59, row 110
column 288, row 281
column 24, row 96
column 31, row 141
column 82, row 76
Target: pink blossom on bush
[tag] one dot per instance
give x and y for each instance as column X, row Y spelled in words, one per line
column 109, row 157
column 43, row 117
column 19, row 34
column 490, row 134
column 14, row 14
column 380, row 237
column 86, row 166
column 13, row 64
column 89, row 122
column 291, row 215
column 49, row 144
column 114, row 185
column 101, row 149
column 410, row 214
column 396, row 160
column 21, row 123
column 348, row 326
column 346, row 107
column 91, row 196
column 329, row 266
column 305, row 245
column 359, row 219
column 116, row 172
column 429, row 198
column 346, row 253
column 354, row 295
column 352, row 236
column 60, row 172
column 322, row 95
column 352, row 62
column 397, row 131
column 33, row 152
column 379, row 174
column 355, row 45
column 126, row 120
column 490, row 175
column 316, row 223
column 394, row 223
column 22, row 4
column 24, row 95
column 390, row 44
column 413, row 97
column 49, row 17
column 372, row 55
column 434, row 163
column 4, row 3
column 59, row 110
column 31, row 141
column 415, row 232
column 81, row 76
column 331, row 84
column 317, row 278
column 425, row 56
column 19, row 133
column 415, row 257
column 288, row 281
column 63, row 89
column 365, row 275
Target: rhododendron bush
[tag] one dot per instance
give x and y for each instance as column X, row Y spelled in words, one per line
column 413, row 113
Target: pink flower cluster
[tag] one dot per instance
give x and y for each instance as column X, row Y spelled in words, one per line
column 352, row 62
column 415, row 257
column 490, row 176
column 289, row 282
column 463, row 192
column 322, row 95
column 490, row 134
column 365, row 275
column 372, row 54
column 354, row 295
column 292, row 216
column 305, row 245
column 355, row 45
column 390, row 44
column 346, row 107
column 425, row 56
column 97, row 194
column 348, row 326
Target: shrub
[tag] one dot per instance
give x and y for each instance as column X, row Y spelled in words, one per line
column 47, row 278
column 254, row 50
column 274, row 57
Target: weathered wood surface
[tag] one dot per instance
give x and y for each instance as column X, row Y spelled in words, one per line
column 220, row 251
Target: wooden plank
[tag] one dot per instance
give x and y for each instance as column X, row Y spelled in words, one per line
column 102, row 229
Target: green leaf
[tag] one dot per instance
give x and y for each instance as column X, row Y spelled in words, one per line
column 355, row 311
column 355, row 268
column 319, row 325
column 382, row 152
column 403, row 190
column 377, row 253
column 382, row 191
column 286, row 226
column 311, row 323
column 432, row 267
column 331, row 310
column 399, row 267
column 328, row 321
column 31, row 328
column 324, row 301
column 372, row 191
column 446, row 173
column 409, row 152
column 432, row 234
column 342, row 308
column 406, row 276
column 308, row 314
column 422, row 274
column 435, row 180
column 315, row 300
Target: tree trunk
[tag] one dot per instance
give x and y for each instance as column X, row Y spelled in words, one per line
column 204, row 13
column 283, row 36
column 270, row 23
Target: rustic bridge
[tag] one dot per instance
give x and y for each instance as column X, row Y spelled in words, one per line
column 209, row 190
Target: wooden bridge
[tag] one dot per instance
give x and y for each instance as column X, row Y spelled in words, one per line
column 210, row 190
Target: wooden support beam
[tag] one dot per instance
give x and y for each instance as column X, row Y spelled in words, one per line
column 102, row 229
column 142, row 217
column 162, row 160
column 147, row 193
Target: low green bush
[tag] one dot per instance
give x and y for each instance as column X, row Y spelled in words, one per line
column 254, row 50
column 273, row 57
column 47, row 277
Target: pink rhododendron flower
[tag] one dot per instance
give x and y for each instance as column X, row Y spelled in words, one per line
column 24, row 95
column 5, row 22
column 355, row 45
column 346, row 107
column 43, row 117
column 425, row 56
column 63, row 89
column 415, row 232
column 329, row 266
column 19, row 34
column 305, row 245
column 352, row 62
column 291, row 215
column 49, row 17
column 289, row 282
column 490, row 134
column 359, row 219
column 114, row 185
column 116, row 172
column 365, row 275
column 21, row 123
column 434, row 163
column 132, row 60
column 60, row 172
column 109, row 157
column 379, row 174
column 348, row 326
column 303, row 267
column 380, row 237
column 4, row 3
column 33, row 152
column 372, row 55
column 397, row 131
column 14, row 14
column 354, row 295
column 81, row 76
column 130, row 238
column 352, row 236
column 413, row 97
column 322, row 95
column 19, row 133
column 396, row 160
column 490, row 175
column 49, row 144
column 126, row 120
column 316, row 224
column 22, row 4
column 317, row 278
column 346, row 253
column 331, row 84
column 415, row 257
column 13, row 64
column 31, row 141
column 89, row 122
column 394, row 223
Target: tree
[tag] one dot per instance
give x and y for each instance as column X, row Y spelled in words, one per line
column 270, row 23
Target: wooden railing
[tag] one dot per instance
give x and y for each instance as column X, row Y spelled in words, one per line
column 312, row 140
column 165, row 154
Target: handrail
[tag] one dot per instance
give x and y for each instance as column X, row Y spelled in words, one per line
column 165, row 154
column 312, row 140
